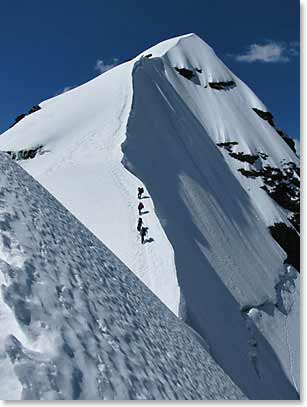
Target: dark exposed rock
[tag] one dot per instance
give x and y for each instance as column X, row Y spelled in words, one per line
column 186, row 73
column 227, row 145
column 280, row 194
column 18, row 118
column 148, row 55
column 270, row 174
column 265, row 116
column 264, row 156
column 222, row 85
column 33, row 109
column 190, row 74
column 269, row 118
column 249, row 173
column 25, row 154
column 289, row 240
column 282, row 185
column 249, row 158
column 295, row 220
column 287, row 139
column 292, row 167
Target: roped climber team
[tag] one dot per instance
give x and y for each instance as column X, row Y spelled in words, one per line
column 140, row 225
column 140, row 192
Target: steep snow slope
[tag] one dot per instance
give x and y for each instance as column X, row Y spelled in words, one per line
column 235, row 286
column 216, row 215
column 76, row 323
column 82, row 131
column 225, row 115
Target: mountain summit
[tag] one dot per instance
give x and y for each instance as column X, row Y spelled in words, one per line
column 221, row 198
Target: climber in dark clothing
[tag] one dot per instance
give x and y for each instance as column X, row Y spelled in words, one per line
column 140, row 207
column 143, row 233
column 140, row 192
column 140, row 223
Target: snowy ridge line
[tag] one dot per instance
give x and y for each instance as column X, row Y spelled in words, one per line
column 157, row 116
column 175, row 302
column 163, row 47
column 155, row 79
column 83, row 131
column 93, row 330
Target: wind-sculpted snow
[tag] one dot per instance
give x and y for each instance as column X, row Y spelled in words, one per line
column 81, row 132
column 232, row 260
column 87, row 328
column 166, row 120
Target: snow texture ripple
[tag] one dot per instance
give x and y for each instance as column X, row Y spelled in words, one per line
column 210, row 257
column 79, row 324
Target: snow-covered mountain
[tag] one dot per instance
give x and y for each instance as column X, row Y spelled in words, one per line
column 76, row 323
column 221, row 198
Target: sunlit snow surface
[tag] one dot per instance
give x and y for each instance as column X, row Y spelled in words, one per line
column 86, row 327
column 144, row 123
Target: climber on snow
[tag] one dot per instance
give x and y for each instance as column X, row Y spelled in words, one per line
column 139, row 226
column 140, row 207
column 143, row 233
column 140, row 192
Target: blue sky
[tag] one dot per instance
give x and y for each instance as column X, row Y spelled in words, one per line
column 48, row 46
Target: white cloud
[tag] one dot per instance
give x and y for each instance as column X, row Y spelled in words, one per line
column 294, row 48
column 272, row 52
column 102, row 66
column 66, row 89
